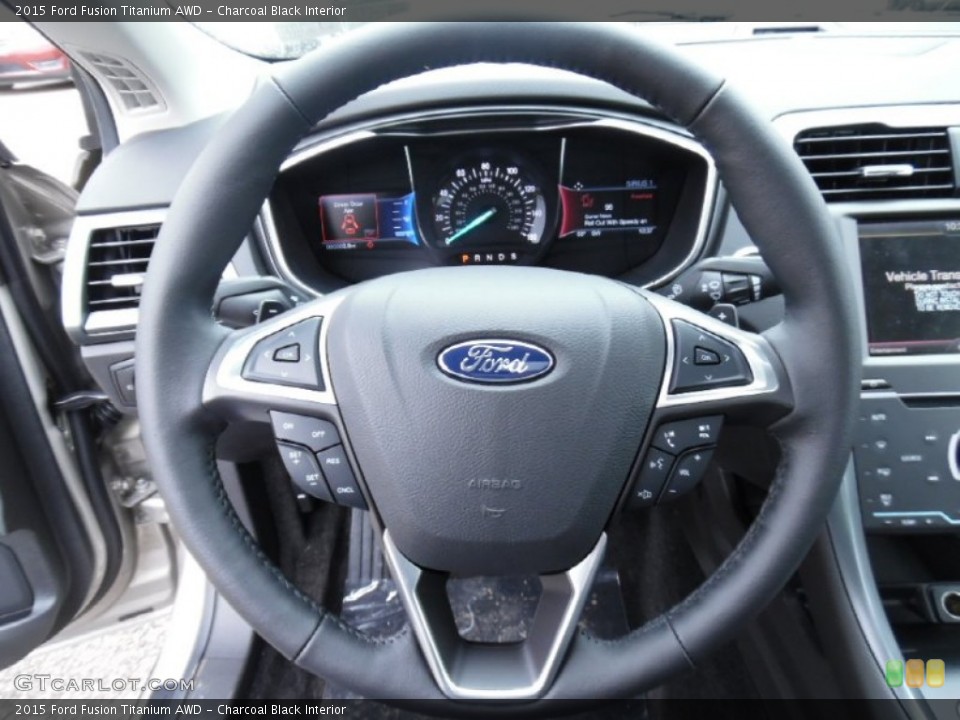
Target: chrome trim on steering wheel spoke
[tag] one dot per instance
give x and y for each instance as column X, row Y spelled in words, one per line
column 517, row 671
column 227, row 390
column 758, row 353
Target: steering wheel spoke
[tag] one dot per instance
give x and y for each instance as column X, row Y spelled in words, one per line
column 511, row 671
column 279, row 365
column 714, row 374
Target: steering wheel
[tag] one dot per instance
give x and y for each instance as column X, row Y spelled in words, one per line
column 401, row 367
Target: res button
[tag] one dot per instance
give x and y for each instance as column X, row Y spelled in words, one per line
column 340, row 478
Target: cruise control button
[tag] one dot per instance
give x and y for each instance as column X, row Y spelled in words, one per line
column 288, row 357
column 340, row 478
column 303, row 469
column 656, row 468
column 312, row 432
column 693, row 344
column 687, row 473
column 677, row 437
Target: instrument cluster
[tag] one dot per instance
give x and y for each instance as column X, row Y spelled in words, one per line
column 599, row 195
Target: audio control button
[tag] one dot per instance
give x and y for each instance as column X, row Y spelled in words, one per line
column 676, row 437
column 687, row 473
column 656, row 467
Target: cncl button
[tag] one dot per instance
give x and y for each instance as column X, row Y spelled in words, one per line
column 340, row 478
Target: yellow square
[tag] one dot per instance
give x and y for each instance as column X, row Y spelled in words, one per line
column 936, row 673
column 915, row 673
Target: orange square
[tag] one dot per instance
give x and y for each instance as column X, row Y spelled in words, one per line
column 915, row 673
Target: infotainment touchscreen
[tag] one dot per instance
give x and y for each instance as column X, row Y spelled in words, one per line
column 911, row 284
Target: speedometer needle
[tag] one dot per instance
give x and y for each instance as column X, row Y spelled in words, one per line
column 472, row 225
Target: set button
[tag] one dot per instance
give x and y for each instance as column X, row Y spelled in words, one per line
column 304, row 471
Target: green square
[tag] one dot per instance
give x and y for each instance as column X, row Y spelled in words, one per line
column 894, row 673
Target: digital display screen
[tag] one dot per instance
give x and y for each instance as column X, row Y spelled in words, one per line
column 367, row 221
column 911, row 283
column 592, row 211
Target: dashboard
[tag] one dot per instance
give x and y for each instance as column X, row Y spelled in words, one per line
column 605, row 195
column 476, row 166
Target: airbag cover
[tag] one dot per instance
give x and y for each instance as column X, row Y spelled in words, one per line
column 494, row 478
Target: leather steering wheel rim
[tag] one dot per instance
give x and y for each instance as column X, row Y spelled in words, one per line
column 216, row 205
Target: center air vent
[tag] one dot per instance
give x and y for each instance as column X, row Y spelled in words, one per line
column 116, row 264
column 877, row 162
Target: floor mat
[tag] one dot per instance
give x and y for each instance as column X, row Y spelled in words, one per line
column 128, row 650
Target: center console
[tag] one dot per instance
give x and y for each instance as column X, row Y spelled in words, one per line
column 907, row 267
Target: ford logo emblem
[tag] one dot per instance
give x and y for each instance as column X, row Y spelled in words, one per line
column 495, row 361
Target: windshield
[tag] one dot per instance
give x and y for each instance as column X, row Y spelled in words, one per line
column 288, row 40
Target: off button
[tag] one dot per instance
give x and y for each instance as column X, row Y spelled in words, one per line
column 312, row 432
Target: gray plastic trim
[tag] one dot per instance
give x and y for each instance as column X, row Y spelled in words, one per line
column 952, row 451
column 32, row 370
column 899, row 116
column 845, row 529
column 567, row 118
column 466, row 671
column 755, row 349
column 73, row 292
column 226, row 385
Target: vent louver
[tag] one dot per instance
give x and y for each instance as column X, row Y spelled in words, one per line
column 116, row 264
column 131, row 86
column 876, row 162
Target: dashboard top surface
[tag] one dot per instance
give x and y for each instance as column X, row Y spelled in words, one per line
column 778, row 75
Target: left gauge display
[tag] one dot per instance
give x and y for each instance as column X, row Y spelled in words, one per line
column 367, row 221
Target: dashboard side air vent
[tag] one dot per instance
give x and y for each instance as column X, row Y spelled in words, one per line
column 877, row 162
column 116, row 264
column 131, row 87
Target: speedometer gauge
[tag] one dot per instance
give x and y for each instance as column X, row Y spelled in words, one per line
column 489, row 204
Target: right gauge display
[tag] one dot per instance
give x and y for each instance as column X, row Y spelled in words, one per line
column 911, row 283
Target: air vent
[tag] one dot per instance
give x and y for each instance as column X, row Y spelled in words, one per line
column 876, row 162
column 116, row 264
column 131, row 86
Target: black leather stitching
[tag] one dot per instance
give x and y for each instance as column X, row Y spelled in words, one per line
column 213, row 475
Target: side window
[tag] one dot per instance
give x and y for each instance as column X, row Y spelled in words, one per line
column 41, row 114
